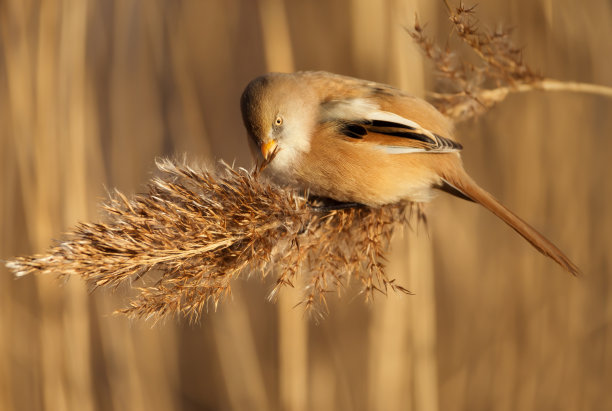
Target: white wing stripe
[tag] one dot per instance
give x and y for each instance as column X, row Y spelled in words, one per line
column 399, row 149
column 357, row 109
column 394, row 118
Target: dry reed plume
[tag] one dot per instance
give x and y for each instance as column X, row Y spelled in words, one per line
column 469, row 90
column 200, row 229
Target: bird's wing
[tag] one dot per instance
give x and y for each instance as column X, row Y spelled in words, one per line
column 361, row 119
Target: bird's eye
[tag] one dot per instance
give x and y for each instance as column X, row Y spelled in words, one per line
column 278, row 121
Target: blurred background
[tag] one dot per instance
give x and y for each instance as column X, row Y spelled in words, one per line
column 92, row 91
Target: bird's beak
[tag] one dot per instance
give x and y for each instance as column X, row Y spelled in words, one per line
column 268, row 148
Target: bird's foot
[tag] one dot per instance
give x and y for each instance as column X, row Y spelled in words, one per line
column 325, row 205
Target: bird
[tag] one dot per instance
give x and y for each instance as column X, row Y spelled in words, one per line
column 362, row 142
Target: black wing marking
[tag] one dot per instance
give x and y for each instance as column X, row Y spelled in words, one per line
column 430, row 141
column 353, row 130
column 384, row 123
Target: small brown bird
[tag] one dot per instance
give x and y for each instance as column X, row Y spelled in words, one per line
column 357, row 141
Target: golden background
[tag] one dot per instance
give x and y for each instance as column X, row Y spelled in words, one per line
column 92, row 91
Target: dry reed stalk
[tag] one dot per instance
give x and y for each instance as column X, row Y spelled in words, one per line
column 394, row 380
column 241, row 365
column 292, row 326
column 469, row 90
column 32, row 133
column 200, row 229
column 74, row 82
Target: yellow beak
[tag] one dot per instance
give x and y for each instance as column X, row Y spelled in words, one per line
column 268, row 148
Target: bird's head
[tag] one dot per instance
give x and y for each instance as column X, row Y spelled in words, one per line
column 279, row 114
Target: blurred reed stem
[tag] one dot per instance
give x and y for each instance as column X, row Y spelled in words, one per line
column 424, row 346
column 242, row 370
column 402, row 357
column 36, row 147
column 292, row 325
column 141, row 363
column 73, row 87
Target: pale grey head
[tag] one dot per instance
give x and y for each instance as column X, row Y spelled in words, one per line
column 279, row 112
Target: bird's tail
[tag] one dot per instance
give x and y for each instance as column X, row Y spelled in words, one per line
column 467, row 187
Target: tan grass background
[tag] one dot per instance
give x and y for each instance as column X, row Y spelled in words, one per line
column 92, row 91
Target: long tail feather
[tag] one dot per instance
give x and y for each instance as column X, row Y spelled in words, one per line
column 463, row 183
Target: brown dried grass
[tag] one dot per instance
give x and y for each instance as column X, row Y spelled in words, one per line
column 200, row 229
column 467, row 90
